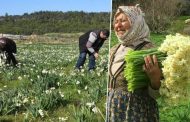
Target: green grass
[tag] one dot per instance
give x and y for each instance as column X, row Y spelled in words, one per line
column 178, row 25
column 157, row 39
column 174, row 112
column 114, row 39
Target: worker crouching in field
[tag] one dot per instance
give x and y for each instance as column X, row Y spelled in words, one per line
column 8, row 47
column 90, row 43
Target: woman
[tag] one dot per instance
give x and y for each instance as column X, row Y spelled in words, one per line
column 139, row 106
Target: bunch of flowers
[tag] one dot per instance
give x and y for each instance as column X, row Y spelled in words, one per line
column 134, row 73
column 176, row 67
column 174, row 59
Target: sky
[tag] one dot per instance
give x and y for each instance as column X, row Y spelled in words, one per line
column 19, row 7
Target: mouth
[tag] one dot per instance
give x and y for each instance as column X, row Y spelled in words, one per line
column 121, row 32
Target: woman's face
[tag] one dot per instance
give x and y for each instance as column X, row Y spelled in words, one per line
column 121, row 24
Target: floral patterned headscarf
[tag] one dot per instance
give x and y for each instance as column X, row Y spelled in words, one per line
column 139, row 29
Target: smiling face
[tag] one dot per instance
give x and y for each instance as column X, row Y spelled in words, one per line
column 121, row 24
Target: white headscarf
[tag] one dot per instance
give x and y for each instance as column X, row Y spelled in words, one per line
column 139, row 29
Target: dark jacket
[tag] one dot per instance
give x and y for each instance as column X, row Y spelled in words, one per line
column 83, row 39
column 7, row 45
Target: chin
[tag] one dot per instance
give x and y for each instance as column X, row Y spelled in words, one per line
column 120, row 35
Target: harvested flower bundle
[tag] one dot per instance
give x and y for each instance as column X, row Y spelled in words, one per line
column 174, row 59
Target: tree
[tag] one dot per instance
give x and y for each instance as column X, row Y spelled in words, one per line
column 54, row 21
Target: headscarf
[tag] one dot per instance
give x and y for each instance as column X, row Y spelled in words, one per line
column 138, row 30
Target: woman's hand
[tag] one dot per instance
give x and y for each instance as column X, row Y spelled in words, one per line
column 153, row 71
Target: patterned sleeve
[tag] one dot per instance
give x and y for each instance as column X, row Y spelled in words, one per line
column 91, row 40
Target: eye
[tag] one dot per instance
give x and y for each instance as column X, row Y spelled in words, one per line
column 116, row 21
column 124, row 20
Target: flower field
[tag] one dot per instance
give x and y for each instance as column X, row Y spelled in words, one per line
column 45, row 86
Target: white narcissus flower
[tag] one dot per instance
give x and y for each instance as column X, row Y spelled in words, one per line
column 44, row 71
column 79, row 91
column 95, row 110
column 32, row 101
column 63, row 118
column 52, row 88
column 20, row 78
column 58, row 84
column 82, row 70
column 90, row 104
column 176, row 66
column 25, row 100
column 48, row 91
column 78, row 82
column 98, row 74
column 40, row 111
column 101, row 70
column 18, row 104
column 62, row 95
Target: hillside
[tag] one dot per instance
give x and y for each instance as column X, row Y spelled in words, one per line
column 48, row 21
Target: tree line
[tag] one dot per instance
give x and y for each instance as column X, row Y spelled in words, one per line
column 53, row 21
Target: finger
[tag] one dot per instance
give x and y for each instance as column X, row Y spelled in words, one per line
column 155, row 60
column 150, row 63
column 146, row 63
column 149, row 60
column 144, row 68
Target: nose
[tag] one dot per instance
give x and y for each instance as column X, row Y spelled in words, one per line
column 118, row 24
